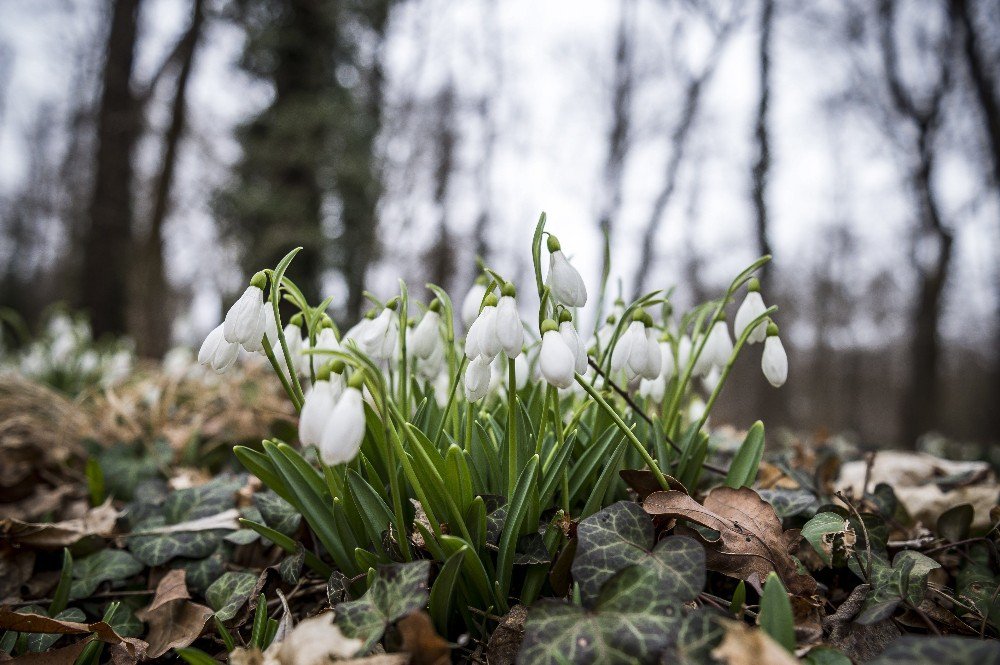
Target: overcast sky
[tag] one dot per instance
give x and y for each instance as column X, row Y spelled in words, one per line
column 552, row 108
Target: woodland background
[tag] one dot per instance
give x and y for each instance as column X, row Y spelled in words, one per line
column 155, row 153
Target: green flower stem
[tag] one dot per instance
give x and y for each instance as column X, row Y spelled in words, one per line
column 404, row 374
column 629, row 434
column 511, row 428
column 729, row 365
column 545, row 418
column 451, row 402
column 284, row 349
column 560, row 442
column 281, row 375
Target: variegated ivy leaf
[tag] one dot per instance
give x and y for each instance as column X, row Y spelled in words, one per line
column 912, row 650
column 156, row 549
column 906, row 581
column 831, row 536
column 790, row 502
column 277, row 513
column 632, row 621
column 202, row 572
column 397, row 590
column 622, row 535
column 104, row 566
column 39, row 642
column 227, row 594
column 697, row 634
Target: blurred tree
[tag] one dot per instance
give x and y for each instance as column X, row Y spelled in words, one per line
column 308, row 170
column 151, row 307
column 441, row 255
column 762, row 139
column 107, row 240
column 919, row 109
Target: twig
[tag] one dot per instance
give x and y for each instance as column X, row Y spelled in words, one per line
column 864, row 529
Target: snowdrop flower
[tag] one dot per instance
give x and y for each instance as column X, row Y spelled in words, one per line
column 719, row 346
column 477, row 378
column 293, row 338
column 556, row 360
column 216, row 352
column 653, row 389
column 245, row 320
column 774, row 362
column 572, row 339
column 684, row 350
column 711, row 380
column 637, row 351
column 270, row 325
column 473, row 299
column 667, row 368
column 431, row 366
column 509, row 331
column 563, row 279
column 316, row 410
column 481, row 340
column 752, row 307
column 427, row 335
column 345, row 428
column 378, row 339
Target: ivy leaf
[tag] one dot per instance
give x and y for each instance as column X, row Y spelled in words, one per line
column 227, row 594
column 202, row 572
column 697, row 635
column 104, row 566
column 158, row 548
column 789, row 502
column 622, row 535
column 831, row 536
column 397, row 590
column 290, row 567
column 39, row 642
column 631, row 621
column 277, row 513
column 949, row 650
column 906, row 581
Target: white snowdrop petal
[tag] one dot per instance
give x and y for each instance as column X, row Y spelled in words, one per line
column 565, row 281
column 211, row 343
column 470, row 306
column 477, row 379
column 752, row 307
column 316, row 410
column 509, row 332
column 556, row 360
column 345, row 429
column 774, row 361
column 427, row 335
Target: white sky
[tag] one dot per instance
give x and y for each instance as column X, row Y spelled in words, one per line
column 553, row 112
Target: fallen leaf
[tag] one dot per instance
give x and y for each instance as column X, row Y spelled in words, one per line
column 174, row 621
column 751, row 540
column 859, row 642
column 505, row 640
column 314, row 642
column 99, row 521
column 742, row 645
column 915, row 479
column 36, row 623
column 644, row 483
column 61, row 656
column 421, row 641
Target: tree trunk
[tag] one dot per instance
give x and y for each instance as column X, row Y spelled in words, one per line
column 107, row 242
column 762, row 164
column 152, row 306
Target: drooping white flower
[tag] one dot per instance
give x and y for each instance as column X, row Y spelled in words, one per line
column 711, row 380
column 431, row 366
column 477, row 378
column 654, row 357
column 752, row 307
column 316, row 410
column 470, row 306
column 719, row 346
column 378, row 339
column 774, row 362
column 270, row 324
column 667, row 368
column 509, row 332
column 245, row 320
column 653, row 389
column 345, row 429
column 684, row 350
column 293, row 338
column 630, row 351
column 563, row 279
column 426, row 336
column 575, row 344
column 481, row 340
column 216, row 352
column 556, row 360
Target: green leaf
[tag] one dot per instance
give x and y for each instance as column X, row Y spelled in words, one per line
column 912, row 650
column 278, row 513
column 39, row 642
column 775, row 616
column 62, row 593
column 622, row 535
column 743, row 470
column 289, row 545
column 200, row 573
column 631, row 621
column 905, row 581
column 954, row 524
column 158, row 549
column 739, row 601
column 290, row 568
column 194, row 656
column 103, row 566
column 397, row 590
column 789, row 502
column 697, row 635
column 443, row 590
column 826, row 656
column 831, row 536
column 228, row 594
column 516, row 513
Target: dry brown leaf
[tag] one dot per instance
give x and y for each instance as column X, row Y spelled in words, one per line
column 174, row 621
column 751, row 539
column 505, row 640
column 36, row 623
column 99, row 521
column 644, row 483
column 61, row 656
column 421, row 641
column 859, row 642
column 16, row 567
column 742, row 645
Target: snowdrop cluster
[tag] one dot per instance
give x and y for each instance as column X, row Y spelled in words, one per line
column 630, row 350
